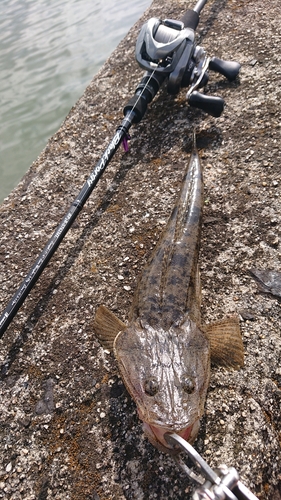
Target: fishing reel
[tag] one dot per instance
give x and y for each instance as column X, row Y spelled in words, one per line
column 166, row 50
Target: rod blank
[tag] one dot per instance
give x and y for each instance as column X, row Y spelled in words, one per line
column 60, row 232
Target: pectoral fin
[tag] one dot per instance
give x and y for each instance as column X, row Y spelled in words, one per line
column 107, row 326
column 226, row 342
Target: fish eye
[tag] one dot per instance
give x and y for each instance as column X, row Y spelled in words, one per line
column 188, row 384
column 151, row 386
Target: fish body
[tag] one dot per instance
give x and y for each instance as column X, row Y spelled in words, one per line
column 163, row 356
column 164, row 353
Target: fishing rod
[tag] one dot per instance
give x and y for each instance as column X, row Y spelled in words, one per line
column 166, row 49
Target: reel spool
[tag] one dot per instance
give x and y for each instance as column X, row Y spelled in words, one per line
column 166, row 47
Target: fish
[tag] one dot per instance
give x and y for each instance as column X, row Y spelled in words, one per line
column 164, row 352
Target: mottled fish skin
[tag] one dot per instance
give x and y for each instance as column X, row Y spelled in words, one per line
column 167, row 289
column 163, row 355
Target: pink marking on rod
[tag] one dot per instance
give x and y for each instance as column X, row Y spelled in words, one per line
column 125, row 143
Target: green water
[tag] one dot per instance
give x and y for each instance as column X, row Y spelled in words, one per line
column 49, row 52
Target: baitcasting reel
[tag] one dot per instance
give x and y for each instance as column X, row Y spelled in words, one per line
column 167, row 50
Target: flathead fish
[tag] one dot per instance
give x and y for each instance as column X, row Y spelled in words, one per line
column 164, row 353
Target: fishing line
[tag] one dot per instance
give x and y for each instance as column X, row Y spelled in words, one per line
column 142, row 93
column 131, row 113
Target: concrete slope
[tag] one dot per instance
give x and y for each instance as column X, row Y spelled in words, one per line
column 68, row 428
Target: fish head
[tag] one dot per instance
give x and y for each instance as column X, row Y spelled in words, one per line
column 167, row 374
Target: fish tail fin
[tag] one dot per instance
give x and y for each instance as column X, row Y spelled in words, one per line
column 226, row 342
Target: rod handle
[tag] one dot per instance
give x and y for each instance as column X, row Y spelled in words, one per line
column 190, row 19
column 229, row 69
column 210, row 104
column 145, row 92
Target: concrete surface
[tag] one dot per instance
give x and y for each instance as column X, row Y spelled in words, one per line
column 68, row 428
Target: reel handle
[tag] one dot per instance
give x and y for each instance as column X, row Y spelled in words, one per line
column 229, row 69
column 210, row 104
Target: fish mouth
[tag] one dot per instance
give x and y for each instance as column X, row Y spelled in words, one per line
column 156, row 434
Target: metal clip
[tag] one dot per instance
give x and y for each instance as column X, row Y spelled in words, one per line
column 220, row 484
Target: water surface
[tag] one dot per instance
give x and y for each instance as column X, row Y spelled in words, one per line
column 49, row 52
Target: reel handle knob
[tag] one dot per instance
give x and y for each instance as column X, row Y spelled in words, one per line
column 210, row 104
column 229, row 69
